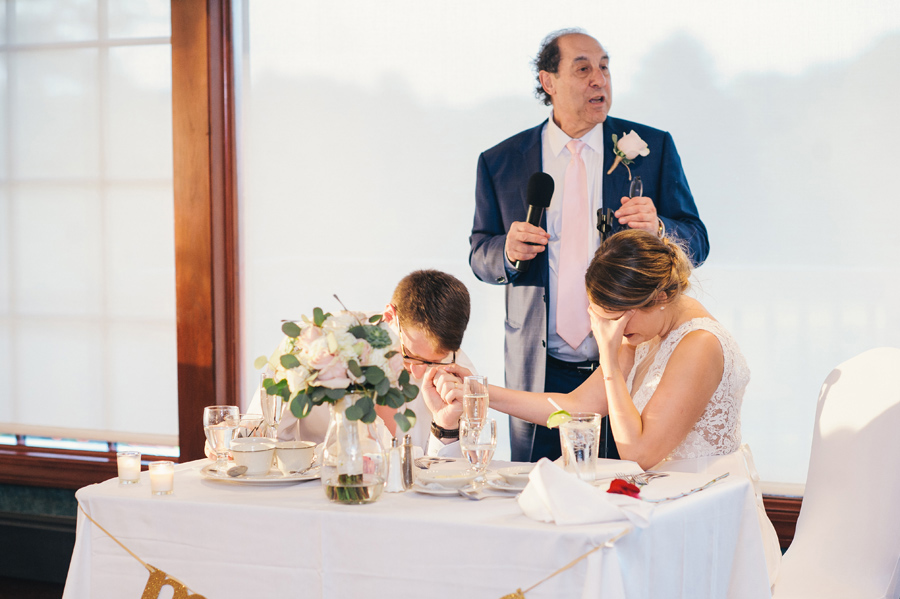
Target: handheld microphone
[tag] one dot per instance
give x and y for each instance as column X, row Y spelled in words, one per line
column 540, row 192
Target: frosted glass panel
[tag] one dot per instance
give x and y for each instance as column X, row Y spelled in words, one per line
column 143, row 388
column 139, row 18
column 63, row 375
column 4, row 125
column 7, row 406
column 139, row 134
column 57, row 250
column 5, row 248
column 55, row 20
column 360, row 166
column 57, row 126
column 141, row 267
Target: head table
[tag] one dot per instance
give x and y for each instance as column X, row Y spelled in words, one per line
column 226, row 540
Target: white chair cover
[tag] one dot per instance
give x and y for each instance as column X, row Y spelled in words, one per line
column 847, row 542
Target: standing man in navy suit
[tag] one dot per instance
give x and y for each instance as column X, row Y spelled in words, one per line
column 574, row 78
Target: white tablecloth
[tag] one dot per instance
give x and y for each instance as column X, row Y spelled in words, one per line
column 228, row 540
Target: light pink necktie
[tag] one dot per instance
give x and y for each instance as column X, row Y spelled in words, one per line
column 572, row 321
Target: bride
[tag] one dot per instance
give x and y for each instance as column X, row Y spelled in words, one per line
column 671, row 378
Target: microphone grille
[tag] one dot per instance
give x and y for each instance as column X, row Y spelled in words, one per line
column 540, row 190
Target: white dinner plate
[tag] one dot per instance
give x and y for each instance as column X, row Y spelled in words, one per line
column 434, row 489
column 274, row 477
column 516, row 475
column 504, row 485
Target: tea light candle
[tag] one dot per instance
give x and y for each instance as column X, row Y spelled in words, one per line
column 129, row 463
column 162, row 477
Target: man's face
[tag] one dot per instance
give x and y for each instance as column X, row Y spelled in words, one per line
column 418, row 350
column 581, row 90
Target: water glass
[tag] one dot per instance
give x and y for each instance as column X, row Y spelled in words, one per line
column 219, row 424
column 475, row 398
column 579, row 440
column 478, row 440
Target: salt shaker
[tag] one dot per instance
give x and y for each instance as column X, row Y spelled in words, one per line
column 395, row 476
column 407, row 462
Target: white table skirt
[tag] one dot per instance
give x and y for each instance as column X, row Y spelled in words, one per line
column 228, row 540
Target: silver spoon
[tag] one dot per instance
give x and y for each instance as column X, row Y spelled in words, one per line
column 236, row 471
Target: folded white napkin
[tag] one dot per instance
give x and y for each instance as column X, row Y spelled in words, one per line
column 554, row 495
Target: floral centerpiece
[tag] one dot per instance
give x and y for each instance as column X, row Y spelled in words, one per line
column 353, row 363
column 330, row 356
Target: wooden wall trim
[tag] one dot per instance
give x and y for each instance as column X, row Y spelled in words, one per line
column 783, row 512
column 205, row 240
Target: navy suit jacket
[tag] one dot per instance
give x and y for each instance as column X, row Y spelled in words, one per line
column 500, row 200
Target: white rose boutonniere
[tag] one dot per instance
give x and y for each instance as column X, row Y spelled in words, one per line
column 627, row 149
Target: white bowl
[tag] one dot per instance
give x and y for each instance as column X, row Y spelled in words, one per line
column 294, row 456
column 516, row 475
column 454, row 475
column 257, row 457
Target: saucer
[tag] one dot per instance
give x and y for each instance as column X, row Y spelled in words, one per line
column 503, row 485
column 434, row 489
column 273, row 477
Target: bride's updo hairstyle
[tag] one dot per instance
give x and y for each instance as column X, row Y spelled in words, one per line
column 632, row 267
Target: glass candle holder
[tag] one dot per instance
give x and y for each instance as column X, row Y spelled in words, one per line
column 162, row 477
column 129, row 464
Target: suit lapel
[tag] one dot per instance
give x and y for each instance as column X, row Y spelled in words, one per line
column 616, row 184
column 533, row 160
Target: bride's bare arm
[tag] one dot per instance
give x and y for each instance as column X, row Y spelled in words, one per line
column 534, row 407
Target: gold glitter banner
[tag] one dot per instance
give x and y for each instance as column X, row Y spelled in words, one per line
column 158, row 579
column 520, row 594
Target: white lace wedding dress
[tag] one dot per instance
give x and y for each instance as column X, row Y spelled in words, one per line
column 718, row 432
column 714, row 443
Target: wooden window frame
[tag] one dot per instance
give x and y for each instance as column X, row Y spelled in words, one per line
column 206, row 285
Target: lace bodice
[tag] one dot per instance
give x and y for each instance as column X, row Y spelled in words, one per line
column 718, row 432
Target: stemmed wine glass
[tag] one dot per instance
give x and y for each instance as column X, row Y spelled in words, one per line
column 272, row 407
column 219, row 423
column 478, row 440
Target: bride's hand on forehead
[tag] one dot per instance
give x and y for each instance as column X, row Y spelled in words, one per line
column 608, row 330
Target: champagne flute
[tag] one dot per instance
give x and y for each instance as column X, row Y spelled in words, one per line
column 272, row 407
column 475, row 397
column 478, row 440
column 219, row 424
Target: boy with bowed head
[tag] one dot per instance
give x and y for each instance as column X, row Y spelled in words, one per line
column 429, row 312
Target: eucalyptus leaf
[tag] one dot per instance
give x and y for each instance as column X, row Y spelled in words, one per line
column 335, row 394
column 383, row 386
column 365, row 403
column 318, row 393
column 354, row 413
column 404, row 378
column 359, row 331
column 410, row 391
column 402, row 421
column 289, row 361
column 353, row 367
column 374, row 375
column 301, row 405
column 260, row 362
column 369, row 417
column 394, row 399
column 375, row 319
column 290, row 329
column 318, row 317
column 411, row 416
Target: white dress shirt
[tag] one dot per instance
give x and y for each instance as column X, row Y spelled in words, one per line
column 556, row 159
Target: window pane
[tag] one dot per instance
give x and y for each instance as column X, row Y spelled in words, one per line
column 139, row 129
column 4, row 127
column 55, row 101
column 66, row 357
column 139, row 18
column 5, row 253
column 57, row 250
column 39, row 21
column 141, row 265
column 142, row 378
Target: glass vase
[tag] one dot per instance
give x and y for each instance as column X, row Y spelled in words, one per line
column 354, row 466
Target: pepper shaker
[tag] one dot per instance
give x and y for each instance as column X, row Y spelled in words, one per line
column 407, row 461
